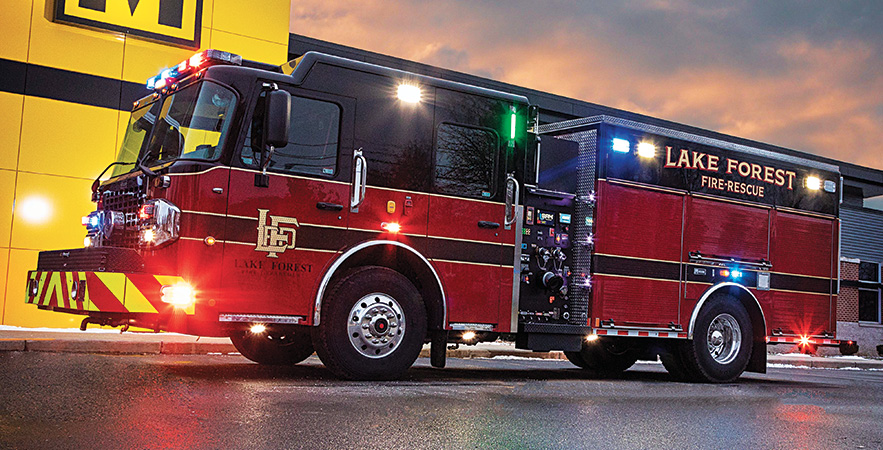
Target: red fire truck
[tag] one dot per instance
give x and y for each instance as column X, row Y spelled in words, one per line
column 358, row 211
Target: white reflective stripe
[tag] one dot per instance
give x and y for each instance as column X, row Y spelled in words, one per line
column 639, row 333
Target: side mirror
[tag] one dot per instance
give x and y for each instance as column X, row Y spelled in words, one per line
column 278, row 118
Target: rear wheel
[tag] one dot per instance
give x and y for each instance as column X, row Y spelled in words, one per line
column 274, row 346
column 605, row 357
column 373, row 325
column 722, row 341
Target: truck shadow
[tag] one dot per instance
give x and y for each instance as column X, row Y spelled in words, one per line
column 460, row 372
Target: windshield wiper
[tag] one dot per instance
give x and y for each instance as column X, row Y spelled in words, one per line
column 97, row 181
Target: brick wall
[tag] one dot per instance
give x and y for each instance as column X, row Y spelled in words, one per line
column 847, row 301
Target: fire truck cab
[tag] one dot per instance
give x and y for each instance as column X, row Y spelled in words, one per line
column 358, row 211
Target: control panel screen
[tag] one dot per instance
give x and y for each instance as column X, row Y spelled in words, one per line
column 545, row 218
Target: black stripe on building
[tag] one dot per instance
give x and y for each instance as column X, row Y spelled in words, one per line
column 68, row 86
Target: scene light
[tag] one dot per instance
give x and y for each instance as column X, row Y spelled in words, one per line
column 409, row 93
column 621, row 145
column 258, row 328
column 813, row 183
column 592, row 337
column 468, row 335
column 646, row 150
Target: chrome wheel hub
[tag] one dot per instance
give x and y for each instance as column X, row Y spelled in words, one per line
column 724, row 338
column 376, row 325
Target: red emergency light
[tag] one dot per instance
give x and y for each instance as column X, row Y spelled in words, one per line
column 191, row 65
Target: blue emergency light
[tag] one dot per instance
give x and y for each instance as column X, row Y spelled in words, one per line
column 621, row 145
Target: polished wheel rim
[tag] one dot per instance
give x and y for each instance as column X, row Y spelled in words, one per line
column 724, row 338
column 376, row 325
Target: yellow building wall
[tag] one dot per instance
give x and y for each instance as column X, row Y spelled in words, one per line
column 51, row 150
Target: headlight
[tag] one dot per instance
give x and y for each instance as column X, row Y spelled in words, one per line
column 160, row 223
column 101, row 225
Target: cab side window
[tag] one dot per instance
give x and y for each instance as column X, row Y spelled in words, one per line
column 313, row 141
column 465, row 161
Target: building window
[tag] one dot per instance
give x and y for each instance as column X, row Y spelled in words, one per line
column 869, row 305
column 465, row 161
column 868, row 271
column 869, row 292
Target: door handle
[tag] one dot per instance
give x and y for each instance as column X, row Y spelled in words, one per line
column 324, row 206
column 512, row 194
column 360, row 178
column 488, row 224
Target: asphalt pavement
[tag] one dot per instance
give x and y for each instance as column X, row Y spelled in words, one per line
column 111, row 341
column 87, row 400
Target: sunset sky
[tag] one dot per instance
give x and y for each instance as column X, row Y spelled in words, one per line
column 807, row 75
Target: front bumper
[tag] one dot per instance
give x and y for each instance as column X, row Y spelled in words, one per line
column 87, row 292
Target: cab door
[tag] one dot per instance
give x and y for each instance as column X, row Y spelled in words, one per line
column 283, row 229
column 466, row 223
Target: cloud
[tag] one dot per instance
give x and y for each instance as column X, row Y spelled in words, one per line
column 804, row 75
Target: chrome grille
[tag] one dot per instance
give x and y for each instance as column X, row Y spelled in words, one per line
column 125, row 196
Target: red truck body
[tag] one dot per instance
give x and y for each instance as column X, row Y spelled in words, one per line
column 596, row 233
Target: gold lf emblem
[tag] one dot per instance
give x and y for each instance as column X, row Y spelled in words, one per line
column 274, row 238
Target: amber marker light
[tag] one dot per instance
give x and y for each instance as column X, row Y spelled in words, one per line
column 209, row 240
column 391, row 227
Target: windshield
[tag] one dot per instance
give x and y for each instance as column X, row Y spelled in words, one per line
column 189, row 124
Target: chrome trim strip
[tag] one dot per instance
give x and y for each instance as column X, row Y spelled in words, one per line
column 708, row 294
column 260, row 318
column 331, row 270
column 516, row 272
column 473, row 326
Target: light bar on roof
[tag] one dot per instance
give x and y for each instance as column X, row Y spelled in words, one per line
column 191, row 65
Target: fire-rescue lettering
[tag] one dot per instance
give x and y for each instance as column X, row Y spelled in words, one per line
column 694, row 160
column 273, row 238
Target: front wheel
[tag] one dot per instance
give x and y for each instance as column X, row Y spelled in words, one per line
column 373, row 325
column 722, row 341
column 274, row 346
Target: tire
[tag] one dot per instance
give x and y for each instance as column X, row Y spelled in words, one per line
column 274, row 347
column 387, row 334
column 605, row 357
column 674, row 364
column 722, row 341
column 576, row 359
